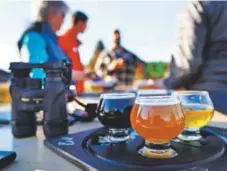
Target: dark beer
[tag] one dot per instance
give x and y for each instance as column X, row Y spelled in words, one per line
column 114, row 110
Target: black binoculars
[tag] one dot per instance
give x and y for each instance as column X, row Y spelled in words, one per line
column 30, row 95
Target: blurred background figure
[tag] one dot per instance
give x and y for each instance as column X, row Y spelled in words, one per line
column 70, row 43
column 38, row 42
column 118, row 62
column 98, row 49
column 200, row 59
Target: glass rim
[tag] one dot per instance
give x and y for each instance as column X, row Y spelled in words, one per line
column 185, row 94
column 157, row 100
column 159, row 91
column 191, row 92
column 117, row 95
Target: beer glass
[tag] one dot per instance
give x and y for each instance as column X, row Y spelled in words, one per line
column 157, row 119
column 198, row 110
column 114, row 113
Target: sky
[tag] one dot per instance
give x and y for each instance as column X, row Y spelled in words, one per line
column 148, row 28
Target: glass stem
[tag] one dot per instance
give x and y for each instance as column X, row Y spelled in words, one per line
column 157, row 150
column 157, row 147
column 190, row 134
column 119, row 135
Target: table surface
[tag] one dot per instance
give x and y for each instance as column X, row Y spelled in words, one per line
column 32, row 155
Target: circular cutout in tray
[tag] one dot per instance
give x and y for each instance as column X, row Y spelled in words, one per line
column 126, row 153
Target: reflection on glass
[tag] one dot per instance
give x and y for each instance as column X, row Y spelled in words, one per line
column 157, row 119
column 198, row 110
column 114, row 113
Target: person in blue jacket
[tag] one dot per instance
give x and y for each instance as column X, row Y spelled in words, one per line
column 38, row 42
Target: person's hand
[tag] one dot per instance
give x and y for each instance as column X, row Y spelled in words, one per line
column 89, row 73
column 92, row 75
column 159, row 84
column 120, row 63
column 112, row 65
column 116, row 64
column 78, row 75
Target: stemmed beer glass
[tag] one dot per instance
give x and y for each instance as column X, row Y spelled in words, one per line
column 114, row 113
column 198, row 109
column 157, row 119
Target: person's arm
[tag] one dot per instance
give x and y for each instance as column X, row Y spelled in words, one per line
column 188, row 56
column 116, row 64
column 34, row 51
column 78, row 73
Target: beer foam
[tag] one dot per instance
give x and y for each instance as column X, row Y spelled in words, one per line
column 118, row 95
column 157, row 101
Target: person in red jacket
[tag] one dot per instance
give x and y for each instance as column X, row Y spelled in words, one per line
column 70, row 45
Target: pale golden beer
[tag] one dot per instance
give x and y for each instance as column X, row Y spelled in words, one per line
column 197, row 115
column 198, row 110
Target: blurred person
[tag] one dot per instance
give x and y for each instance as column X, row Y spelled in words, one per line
column 118, row 62
column 98, row 49
column 70, row 44
column 200, row 59
column 38, row 42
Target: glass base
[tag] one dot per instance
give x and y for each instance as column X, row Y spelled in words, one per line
column 118, row 135
column 190, row 135
column 160, row 151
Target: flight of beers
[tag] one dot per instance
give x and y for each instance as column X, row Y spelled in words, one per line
column 158, row 116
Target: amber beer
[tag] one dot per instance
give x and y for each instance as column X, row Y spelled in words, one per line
column 157, row 123
column 197, row 115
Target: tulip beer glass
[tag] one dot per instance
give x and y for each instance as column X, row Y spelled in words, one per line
column 198, row 110
column 157, row 119
column 114, row 113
